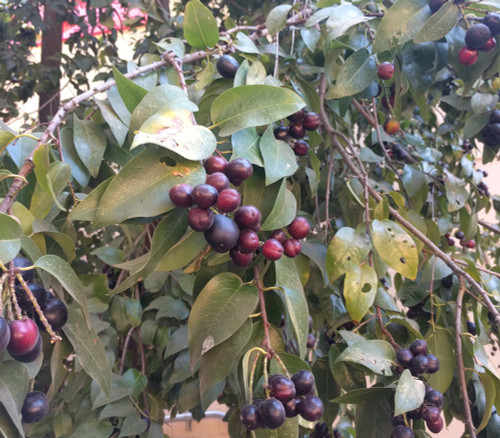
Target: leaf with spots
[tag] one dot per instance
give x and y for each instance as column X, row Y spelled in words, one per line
column 395, row 247
column 376, row 355
column 220, row 310
column 410, row 393
column 360, row 289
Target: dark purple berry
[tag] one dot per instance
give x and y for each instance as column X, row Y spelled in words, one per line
column 204, row 195
column 200, row 219
column 215, row 164
column 419, row 365
column 418, row 347
column 180, row 195
column 282, row 388
column 238, row 170
column 310, row 408
column 35, row 407
column 249, row 416
column 404, row 357
column 303, row 381
column 218, row 180
column 272, row 413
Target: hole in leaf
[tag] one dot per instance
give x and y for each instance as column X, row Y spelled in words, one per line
column 348, row 258
column 405, row 241
column 389, row 229
column 367, row 287
column 402, row 260
column 168, row 161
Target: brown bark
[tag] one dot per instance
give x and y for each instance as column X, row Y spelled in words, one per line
column 49, row 100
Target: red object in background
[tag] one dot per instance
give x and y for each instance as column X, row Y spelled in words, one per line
column 119, row 16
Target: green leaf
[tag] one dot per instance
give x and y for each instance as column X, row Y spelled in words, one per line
column 169, row 307
column 118, row 128
column 200, row 26
column 78, row 170
column 376, row 355
column 439, row 23
column 87, row 208
column 42, row 166
column 183, row 252
column 360, row 289
column 355, row 75
column 345, row 252
column 141, row 188
column 276, row 19
column 216, row 363
column 490, row 393
column 373, row 419
column 219, row 311
column 244, row 44
column 289, row 429
column 395, row 247
column 245, row 144
column 109, row 254
column 410, row 393
column 327, row 387
column 253, row 105
column 344, row 17
column 89, row 349
column 456, row 192
column 279, row 158
column 14, row 384
column 90, row 143
column 362, row 395
column 133, row 425
column 130, row 92
column 174, row 130
column 442, row 345
column 92, row 428
column 283, row 212
column 164, row 97
column 10, row 238
column 401, row 22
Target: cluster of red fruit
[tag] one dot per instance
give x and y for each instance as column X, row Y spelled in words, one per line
column 480, row 37
column 461, row 237
column 300, row 123
column 210, row 203
column 288, row 398
column 491, row 132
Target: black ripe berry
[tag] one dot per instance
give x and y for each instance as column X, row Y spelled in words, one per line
column 433, row 366
column 477, row 36
column 223, row 234
column 297, row 131
column 227, row 66
column 272, row 413
column 310, row 408
column 471, row 328
column 402, row 432
column 282, row 388
column 291, row 407
column 281, row 133
column 404, row 357
column 249, row 416
column 418, row 347
column 303, row 381
column 311, row 121
column 419, row 365
column 297, row 117
column 38, row 291
column 434, row 398
column 493, row 22
column 35, row 407
column 301, row 148
column 435, row 5
column 23, row 262
column 56, row 313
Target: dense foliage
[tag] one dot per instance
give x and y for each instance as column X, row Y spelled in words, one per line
column 278, row 210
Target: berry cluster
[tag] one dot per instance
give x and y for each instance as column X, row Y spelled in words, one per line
column 288, row 398
column 211, row 202
column 471, row 244
column 491, row 132
column 300, row 123
column 416, row 359
column 480, row 37
column 429, row 411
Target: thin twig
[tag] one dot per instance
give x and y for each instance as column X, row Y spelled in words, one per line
column 266, row 343
column 488, row 226
column 460, row 359
column 124, row 349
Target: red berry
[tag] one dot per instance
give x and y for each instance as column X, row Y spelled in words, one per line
column 215, row 164
column 301, row 148
column 23, row 336
column 238, row 170
column 248, row 241
column 470, row 244
column 297, row 131
column 467, row 56
column 180, row 195
column 297, row 117
column 385, row 70
column 239, row 258
column 435, row 426
column 200, row 219
column 489, row 46
column 247, row 216
column 228, row 200
column 272, row 249
column 204, row 195
column 292, row 247
column 391, row 126
column 279, row 235
column 218, row 180
column 299, row 227
column 311, row 121
column 388, row 101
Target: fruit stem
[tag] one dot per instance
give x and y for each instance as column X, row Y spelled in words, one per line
column 38, row 310
column 266, row 377
column 394, row 344
column 252, row 372
column 17, row 309
column 266, row 343
column 2, row 281
column 283, row 367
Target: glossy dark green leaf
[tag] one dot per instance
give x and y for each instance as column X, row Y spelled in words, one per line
column 89, row 349
column 183, row 252
column 87, row 208
column 141, row 188
column 376, row 355
column 344, row 17
column 169, row 307
column 283, row 212
column 355, row 75
column 130, row 92
column 439, row 23
column 119, row 390
column 133, row 424
column 252, row 105
column 362, row 395
column 395, row 247
column 200, row 26
column 328, row 388
column 442, row 345
column 490, row 393
column 92, row 428
column 78, row 170
column 246, row 145
column 456, row 192
column 402, row 22
column 10, row 238
column 219, row 311
column 410, row 393
column 90, row 143
column 373, row 418
column 118, row 128
column 216, row 363
column 360, row 289
column 346, row 251
column 14, row 384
